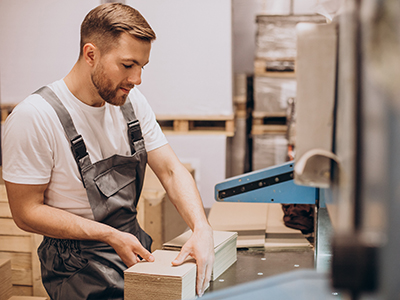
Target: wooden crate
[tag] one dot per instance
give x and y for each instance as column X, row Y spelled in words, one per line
column 20, row 248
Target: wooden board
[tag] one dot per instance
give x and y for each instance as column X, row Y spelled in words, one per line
column 159, row 279
column 5, row 279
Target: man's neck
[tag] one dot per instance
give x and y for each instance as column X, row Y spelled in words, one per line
column 81, row 86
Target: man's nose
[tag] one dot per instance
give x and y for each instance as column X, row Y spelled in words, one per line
column 135, row 77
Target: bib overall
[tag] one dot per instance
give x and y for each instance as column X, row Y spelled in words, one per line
column 73, row 269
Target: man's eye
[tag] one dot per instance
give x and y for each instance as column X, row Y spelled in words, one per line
column 127, row 66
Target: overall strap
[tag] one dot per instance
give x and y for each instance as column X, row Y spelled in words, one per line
column 134, row 131
column 78, row 146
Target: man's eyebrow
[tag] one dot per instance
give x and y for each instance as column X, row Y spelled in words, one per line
column 134, row 61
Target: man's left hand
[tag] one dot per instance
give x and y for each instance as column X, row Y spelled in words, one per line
column 200, row 246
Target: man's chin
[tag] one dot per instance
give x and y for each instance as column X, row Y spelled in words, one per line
column 117, row 102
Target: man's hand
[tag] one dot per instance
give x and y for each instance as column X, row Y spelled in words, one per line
column 128, row 247
column 200, row 246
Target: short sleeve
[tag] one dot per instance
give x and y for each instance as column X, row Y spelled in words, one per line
column 26, row 145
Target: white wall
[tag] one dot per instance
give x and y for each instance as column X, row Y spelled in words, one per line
column 39, row 43
column 207, row 155
column 190, row 69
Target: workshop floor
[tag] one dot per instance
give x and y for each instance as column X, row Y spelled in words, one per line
column 256, row 263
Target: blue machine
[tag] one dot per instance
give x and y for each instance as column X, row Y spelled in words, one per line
column 271, row 185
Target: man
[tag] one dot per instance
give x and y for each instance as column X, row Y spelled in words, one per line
column 74, row 155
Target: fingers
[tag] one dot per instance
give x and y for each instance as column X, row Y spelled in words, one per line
column 202, row 278
column 183, row 254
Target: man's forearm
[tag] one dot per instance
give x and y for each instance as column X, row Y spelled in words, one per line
column 183, row 193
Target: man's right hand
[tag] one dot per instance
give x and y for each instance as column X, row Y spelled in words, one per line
column 128, row 247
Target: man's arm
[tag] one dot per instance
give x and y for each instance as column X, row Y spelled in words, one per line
column 31, row 214
column 182, row 191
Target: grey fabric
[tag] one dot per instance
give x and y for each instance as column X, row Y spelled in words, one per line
column 87, row 269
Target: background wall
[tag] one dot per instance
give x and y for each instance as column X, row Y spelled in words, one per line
column 39, row 43
column 191, row 63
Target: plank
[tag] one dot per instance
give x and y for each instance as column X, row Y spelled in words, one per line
column 15, row 243
column 5, row 279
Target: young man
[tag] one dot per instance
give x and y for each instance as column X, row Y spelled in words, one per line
column 74, row 155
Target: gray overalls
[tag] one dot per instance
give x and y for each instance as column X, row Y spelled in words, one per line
column 88, row 269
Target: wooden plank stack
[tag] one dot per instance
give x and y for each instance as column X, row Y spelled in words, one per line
column 160, row 280
column 274, row 85
column 5, row 279
column 20, row 248
column 224, row 245
column 257, row 225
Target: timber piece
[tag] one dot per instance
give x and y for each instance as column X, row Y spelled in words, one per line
column 193, row 124
column 5, row 279
column 224, row 246
column 161, row 280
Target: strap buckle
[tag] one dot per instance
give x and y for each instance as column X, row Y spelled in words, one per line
column 78, row 148
column 134, row 131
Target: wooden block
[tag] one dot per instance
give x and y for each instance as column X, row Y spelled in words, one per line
column 21, row 267
column 22, row 290
column 161, row 280
column 224, row 246
column 15, row 243
column 5, row 279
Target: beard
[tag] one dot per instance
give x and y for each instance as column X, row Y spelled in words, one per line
column 105, row 87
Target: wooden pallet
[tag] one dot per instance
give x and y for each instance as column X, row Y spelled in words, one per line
column 282, row 68
column 197, row 124
column 267, row 122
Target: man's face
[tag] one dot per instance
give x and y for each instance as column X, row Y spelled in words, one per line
column 120, row 69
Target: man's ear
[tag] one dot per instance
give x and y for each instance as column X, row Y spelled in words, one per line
column 90, row 53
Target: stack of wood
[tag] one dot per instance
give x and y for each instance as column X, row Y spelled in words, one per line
column 274, row 85
column 224, row 245
column 5, row 279
column 20, row 247
column 257, row 225
column 161, row 280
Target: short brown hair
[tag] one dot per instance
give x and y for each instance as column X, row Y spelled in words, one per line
column 104, row 24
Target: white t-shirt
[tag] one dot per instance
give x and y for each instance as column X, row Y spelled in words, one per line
column 36, row 150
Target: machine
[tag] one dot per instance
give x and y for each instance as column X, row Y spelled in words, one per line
column 347, row 162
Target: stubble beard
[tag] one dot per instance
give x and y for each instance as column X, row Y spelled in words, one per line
column 105, row 87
